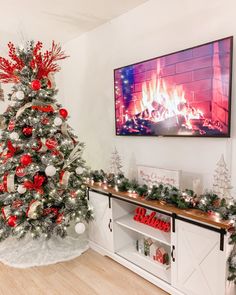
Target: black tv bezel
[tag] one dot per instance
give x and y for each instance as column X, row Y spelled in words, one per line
column 228, row 135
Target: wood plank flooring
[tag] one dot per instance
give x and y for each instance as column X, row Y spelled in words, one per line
column 89, row 274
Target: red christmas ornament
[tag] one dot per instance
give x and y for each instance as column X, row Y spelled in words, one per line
column 51, row 143
column 27, row 131
column 45, row 121
column 36, row 85
column 20, row 171
column 59, row 218
column 12, row 221
column 63, row 113
column 26, row 160
column 11, row 125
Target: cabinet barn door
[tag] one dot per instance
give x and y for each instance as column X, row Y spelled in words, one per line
column 200, row 266
column 100, row 229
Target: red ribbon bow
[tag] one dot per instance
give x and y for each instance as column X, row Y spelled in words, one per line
column 3, row 186
column 5, row 182
column 44, row 109
column 48, row 211
column 36, row 184
column 11, row 151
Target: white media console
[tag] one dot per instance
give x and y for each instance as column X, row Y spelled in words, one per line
column 198, row 251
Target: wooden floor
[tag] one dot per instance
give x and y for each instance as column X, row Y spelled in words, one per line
column 89, row 274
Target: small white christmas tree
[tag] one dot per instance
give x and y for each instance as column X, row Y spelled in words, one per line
column 115, row 163
column 221, row 183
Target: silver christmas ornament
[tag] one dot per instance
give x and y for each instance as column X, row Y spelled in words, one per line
column 50, row 170
column 57, row 121
column 20, row 95
column 79, row 170
column 21, row 189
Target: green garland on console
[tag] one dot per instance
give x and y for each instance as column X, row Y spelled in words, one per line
column 186, row 199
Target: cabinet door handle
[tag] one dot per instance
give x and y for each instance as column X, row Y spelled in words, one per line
column 109, row 225
column 172, row 253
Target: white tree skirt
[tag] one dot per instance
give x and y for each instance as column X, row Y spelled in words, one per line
column 28, row 252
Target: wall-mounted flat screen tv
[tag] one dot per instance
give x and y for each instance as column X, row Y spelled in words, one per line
column 186, row 93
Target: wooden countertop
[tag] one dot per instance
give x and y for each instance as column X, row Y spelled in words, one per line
column 194, row 214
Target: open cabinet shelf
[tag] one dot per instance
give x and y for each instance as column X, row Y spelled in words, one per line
column 159, row 270
column 155, row 234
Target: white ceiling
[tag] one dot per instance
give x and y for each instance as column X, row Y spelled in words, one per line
column 60, row 20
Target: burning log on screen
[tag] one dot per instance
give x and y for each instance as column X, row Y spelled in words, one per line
column 168, row 126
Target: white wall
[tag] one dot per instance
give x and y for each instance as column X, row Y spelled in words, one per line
column 152, row 29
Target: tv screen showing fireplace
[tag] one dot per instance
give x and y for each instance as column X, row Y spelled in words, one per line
column 186, row 93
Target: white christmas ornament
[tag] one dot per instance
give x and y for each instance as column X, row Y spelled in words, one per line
column 50, row 170
column 14, row 136
column 20, row 95
column 57, row 121
column 21, row 189
column 79, row 170
column 80, row 228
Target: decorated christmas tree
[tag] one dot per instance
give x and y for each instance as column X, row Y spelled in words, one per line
column 41, row 167
column 221, row 184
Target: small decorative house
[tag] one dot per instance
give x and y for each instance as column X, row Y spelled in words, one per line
column 161, row 256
